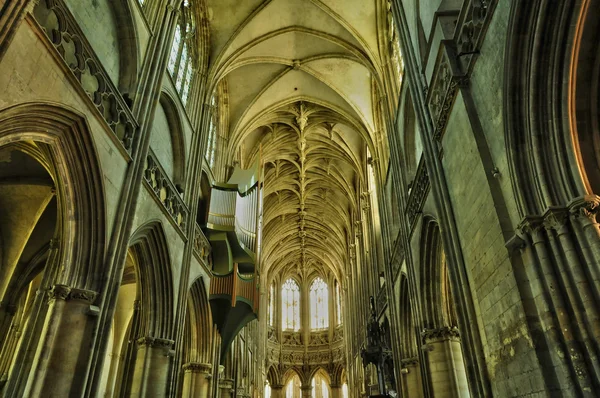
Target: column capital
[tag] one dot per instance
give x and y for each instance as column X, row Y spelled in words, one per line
column 64, row 292
column 197, row 367
column 443, row 333
column 155, row 342
column 225, row 383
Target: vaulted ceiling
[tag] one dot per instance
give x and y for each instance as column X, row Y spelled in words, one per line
column 303, row 82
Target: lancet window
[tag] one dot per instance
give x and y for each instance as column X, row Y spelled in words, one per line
column 181, row 60
column 319, row 304
column 211, row 145
column 338, row 304
column 271, row 305
column 290, row 305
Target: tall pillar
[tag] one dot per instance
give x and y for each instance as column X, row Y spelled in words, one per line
column 63, row 348
column 306, row 391
column 412, row 385
column 336, row 391
column 151, row 369
column 277, row 391
column 226, row 388
column 446, row 365
column 196, row 379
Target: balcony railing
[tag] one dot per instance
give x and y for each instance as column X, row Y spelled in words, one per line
column 418, row 194
column 68, row 39
column 165, row 193
column 201, row 247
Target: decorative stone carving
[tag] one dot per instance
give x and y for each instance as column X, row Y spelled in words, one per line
column 155, row 342
column 165, row 192
column 409, row 362
column 202, row 246
column 66, row 37
column 418, row 194
column 196, row 367
column 443, row 333
column 319, row 338
column 585, row 208
column 291, row 338
column 63, row 292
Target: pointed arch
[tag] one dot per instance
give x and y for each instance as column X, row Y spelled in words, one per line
column 177, row 140
column 408, row 333
column 438, row 306
column 273, row 376
column 155, row 281
column 198, row 338
column 79, row 184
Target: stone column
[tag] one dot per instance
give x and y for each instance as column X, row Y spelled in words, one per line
column 446, row 365
column 306, row 391
column 63, row 348
column 277, row 391
column 196, row 379
column 151, row 368
column 336, row 391
column 412, row 385
column 226, row 388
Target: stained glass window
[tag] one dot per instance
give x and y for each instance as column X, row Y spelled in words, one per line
column 175, row 50
column 319, row 304
column 211, row 145
column 180, row 63
column 271, row 304
column 320, row 389
column 292, row 388
column 338, row 303
column 290, row 305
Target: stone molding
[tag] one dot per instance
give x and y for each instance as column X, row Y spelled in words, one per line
column 197, row 367
column 443, row 333
column 155, row 342
column 64, row 292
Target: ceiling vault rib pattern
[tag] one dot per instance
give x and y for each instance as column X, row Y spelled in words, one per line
column 304, row 86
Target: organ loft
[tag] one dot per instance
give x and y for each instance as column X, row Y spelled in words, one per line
column 299, row 198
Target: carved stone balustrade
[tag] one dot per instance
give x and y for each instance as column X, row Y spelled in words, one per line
column 202, row 247
column 67, row 38
column 165, row 193
column 418, row 194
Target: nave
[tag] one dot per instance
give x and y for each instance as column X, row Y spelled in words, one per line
column 299, row 198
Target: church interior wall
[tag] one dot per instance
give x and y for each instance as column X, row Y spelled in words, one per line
column 440, row 237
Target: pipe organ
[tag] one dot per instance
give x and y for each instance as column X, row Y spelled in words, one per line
column 233, row 228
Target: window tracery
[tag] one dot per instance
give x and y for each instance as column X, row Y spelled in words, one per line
column 271, row 304
column 319, row 304
column 181, row 60
column 211, row 146
column 290, row 305
column 338, row 303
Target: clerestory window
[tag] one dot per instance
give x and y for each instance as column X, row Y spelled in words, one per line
column 290, row 305
column 319, row 304
column 181, row 60
column 211, row 145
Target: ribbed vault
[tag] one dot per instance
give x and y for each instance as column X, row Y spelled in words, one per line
column 304, row 94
